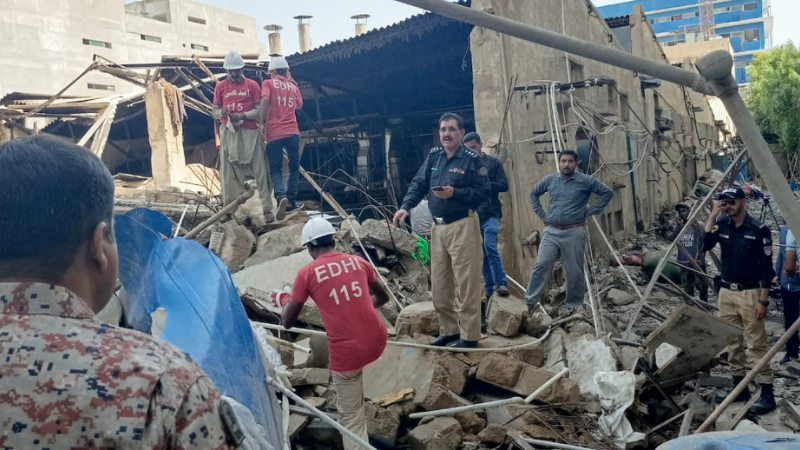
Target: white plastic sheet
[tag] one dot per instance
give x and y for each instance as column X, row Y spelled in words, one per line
column 616, row 391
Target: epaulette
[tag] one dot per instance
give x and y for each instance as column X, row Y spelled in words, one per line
column 438, row 149
column 471, row 153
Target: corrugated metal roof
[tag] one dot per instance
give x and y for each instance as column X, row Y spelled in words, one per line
column 618, row 21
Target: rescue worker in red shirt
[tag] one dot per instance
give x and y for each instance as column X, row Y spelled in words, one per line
column 340, row 285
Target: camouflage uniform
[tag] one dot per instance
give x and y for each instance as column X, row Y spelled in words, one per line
column 68, row 380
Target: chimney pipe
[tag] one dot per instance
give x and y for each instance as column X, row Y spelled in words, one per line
column 274, row 39
column 304, row 31
column 361, row 23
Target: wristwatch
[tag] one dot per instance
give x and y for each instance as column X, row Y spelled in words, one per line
column 764, row 303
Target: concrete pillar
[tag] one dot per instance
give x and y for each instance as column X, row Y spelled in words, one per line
column 304, row 31
column 165, row 131
column 274, row 39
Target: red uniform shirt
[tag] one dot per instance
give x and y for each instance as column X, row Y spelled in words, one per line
column 238, row 98
column 284, row 99
column 339, row 285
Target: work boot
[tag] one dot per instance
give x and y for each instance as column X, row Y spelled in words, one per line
column 461, row 343
column 445, row 339
column 766, row 402
column 283, row 203
column 269, row 217
column 483, row 316
column 743, row 397
column 502, row 291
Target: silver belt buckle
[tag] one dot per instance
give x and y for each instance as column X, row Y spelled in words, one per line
column 734, row 287
column 439, row 220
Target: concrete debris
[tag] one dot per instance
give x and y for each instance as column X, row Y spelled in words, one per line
column 537, row 323
column 439, row 397
column 493, row 433
column 506, row 315
column 442, row 433
column 237, row 245
column 451, row 372
column 272, row 275
column 400, row 368
column 277, row 243
column 383, row 425
column 619, row 298
column 471, row 422
column 381, row 232
column 418, row 318
column 523, row 379
column 394, row 397
column 308, row 376
column 685, row 329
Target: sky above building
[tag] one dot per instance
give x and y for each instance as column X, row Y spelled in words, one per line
column 332, row 20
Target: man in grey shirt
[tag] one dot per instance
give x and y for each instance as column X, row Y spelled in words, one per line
column 565, row 227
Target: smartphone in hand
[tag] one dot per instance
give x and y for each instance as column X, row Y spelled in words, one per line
column 438, row 188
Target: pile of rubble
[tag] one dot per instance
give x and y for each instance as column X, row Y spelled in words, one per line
column 634, row 390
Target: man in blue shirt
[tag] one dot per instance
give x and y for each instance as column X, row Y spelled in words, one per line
column 787, row 275
column 565, row 227
column 689, row 250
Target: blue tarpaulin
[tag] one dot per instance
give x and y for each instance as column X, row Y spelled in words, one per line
column 205, row 317
column 734, row 440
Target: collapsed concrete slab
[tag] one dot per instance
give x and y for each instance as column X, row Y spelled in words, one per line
column 418, row 318
column 617, row 297
column 277, row 243
column 506, row 315
column 494, row 433
column 381, row 232
column 399, row 368
column 451, row 372
column 442, row 433
column 698, row 334
column 271, row 275
column 309, row 376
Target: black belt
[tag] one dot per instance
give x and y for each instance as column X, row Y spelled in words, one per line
column 739, row 286
column 451, row 218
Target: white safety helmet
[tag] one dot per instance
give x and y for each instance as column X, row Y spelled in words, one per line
column 233, row 61
column 277, row 62
column 315, row 229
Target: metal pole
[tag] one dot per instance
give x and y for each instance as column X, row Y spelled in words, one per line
column 222, row 212
column 716, row 68
column 614, row 57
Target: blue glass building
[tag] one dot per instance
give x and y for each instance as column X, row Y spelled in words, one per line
column 748, row 24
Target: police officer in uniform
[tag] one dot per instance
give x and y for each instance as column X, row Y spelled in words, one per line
column 456, row 182
column 746, row 275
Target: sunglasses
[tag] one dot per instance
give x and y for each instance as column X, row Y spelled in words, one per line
column 728, row 201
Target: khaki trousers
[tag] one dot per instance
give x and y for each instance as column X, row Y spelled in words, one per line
column 350, row 403
column 736, row 307
column 242, row 154
column 457, row 263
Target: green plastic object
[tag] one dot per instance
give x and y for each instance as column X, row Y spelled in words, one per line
column 422, row 253
column 649, row 263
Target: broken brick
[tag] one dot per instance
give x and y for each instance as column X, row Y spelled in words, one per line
column 493, row 433
column 506, row 315
column 442, row 433
column 418, row 318
column 301, row 377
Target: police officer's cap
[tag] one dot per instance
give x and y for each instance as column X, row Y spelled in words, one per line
column 731, row 192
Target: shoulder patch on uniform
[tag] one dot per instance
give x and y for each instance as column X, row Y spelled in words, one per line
column 471, row 153
column 483, row 171
column 230, row 423
column 437, row 149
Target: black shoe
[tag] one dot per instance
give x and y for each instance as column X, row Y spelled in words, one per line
column 483, row 317
column 766, row 402
column 743, row 397
column 787, row 359
column 283, row 204
column 461, row 343
column 502, row 291
column 445, row 339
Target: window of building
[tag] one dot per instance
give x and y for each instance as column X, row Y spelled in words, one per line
column 235, row 29
column 197, row 20
column 662, row 19
column 624, row 109
column 736, row 8
column 147, row 37
column 751, row 35
column 101, row 87
column 677, row 17
column 200, row 47
column 750, row 6
column 575, row 71
column 97, row 43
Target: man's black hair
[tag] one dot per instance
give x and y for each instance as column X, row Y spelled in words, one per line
column 323, row 242
column 452, row 116
column 471, row 136
column 572, row 153
column 52, row 196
